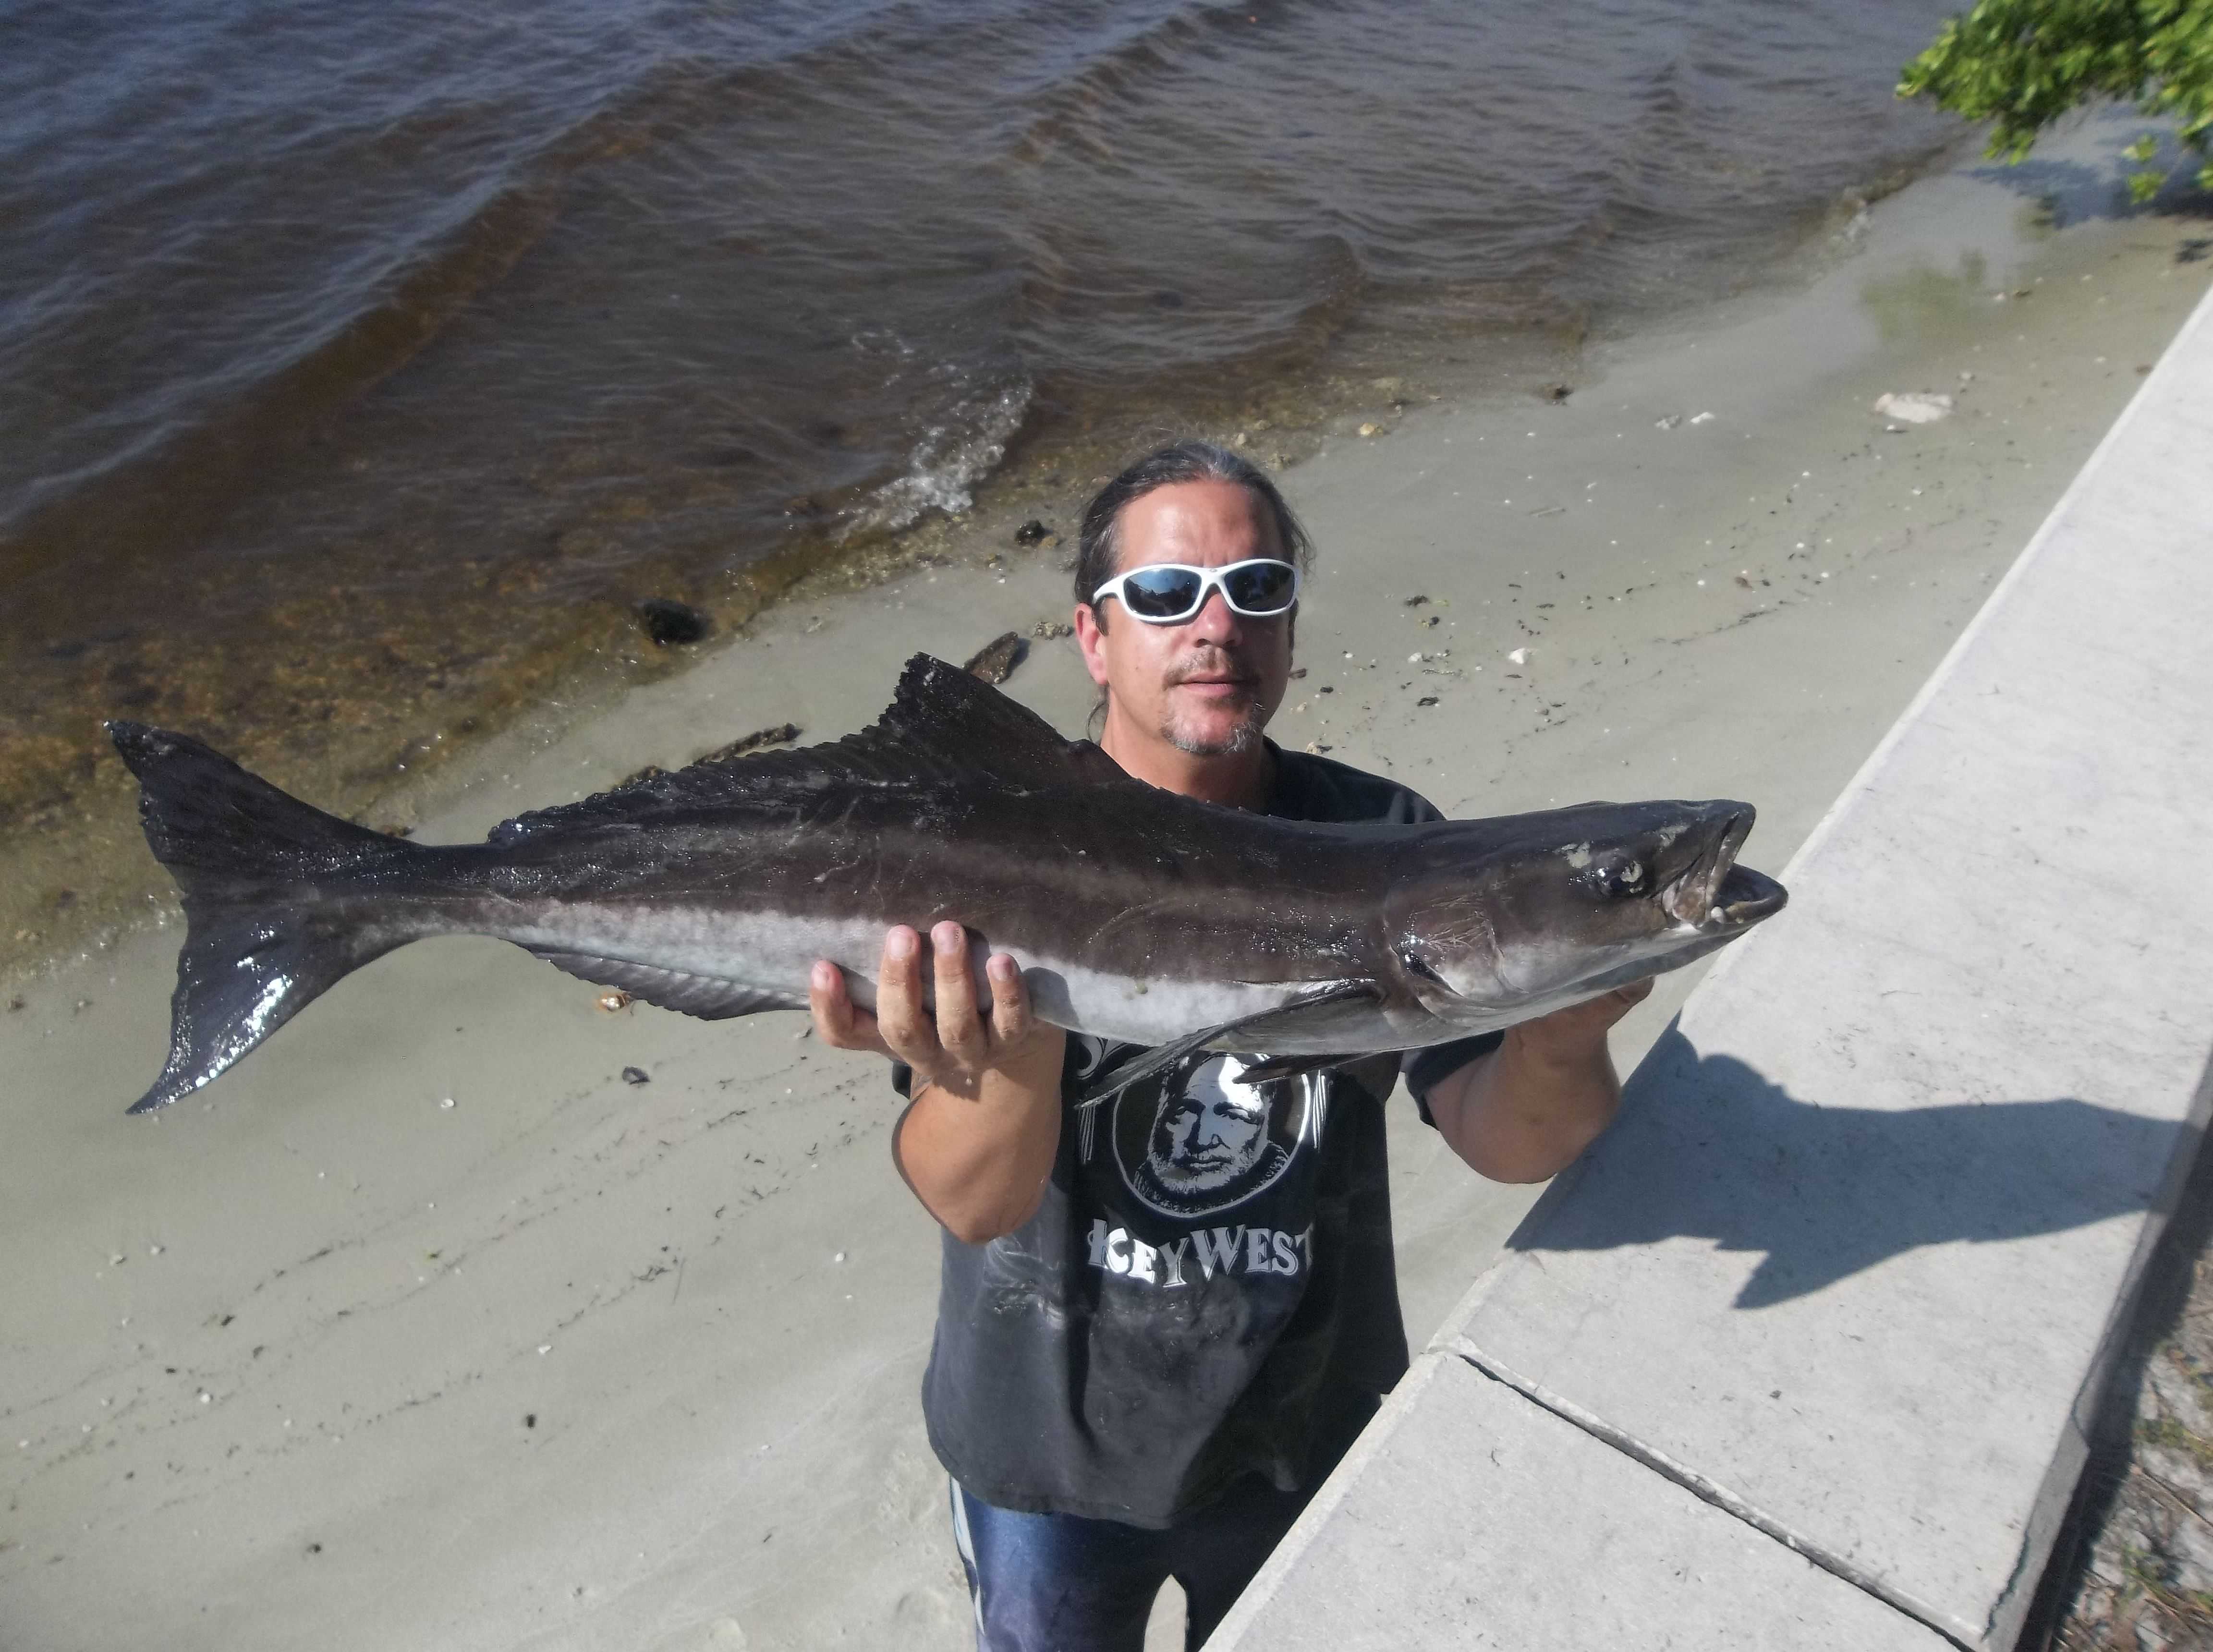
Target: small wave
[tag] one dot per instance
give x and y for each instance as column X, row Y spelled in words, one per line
column 946, row 463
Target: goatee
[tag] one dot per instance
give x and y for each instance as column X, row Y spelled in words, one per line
column 1245, row 737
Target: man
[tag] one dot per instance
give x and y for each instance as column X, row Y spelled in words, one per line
column 1163, row 1317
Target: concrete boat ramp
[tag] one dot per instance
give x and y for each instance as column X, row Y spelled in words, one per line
column 1803, row 1353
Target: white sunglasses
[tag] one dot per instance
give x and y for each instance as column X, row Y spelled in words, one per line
column 1169, row 593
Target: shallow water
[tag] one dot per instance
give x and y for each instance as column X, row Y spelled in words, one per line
column 362, row 365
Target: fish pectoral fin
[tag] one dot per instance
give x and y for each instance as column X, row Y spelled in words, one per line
column 1163, row 1055
column 1377, row 1072
column 708, row 997
column 1259, row 1072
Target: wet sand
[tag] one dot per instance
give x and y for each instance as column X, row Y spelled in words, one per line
column 579, row 1363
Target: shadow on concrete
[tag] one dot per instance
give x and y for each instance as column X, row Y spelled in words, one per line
column 1825, row 1192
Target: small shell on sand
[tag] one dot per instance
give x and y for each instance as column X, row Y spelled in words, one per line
column 613, row 1000
column 1519, row 656
column 1914, row 406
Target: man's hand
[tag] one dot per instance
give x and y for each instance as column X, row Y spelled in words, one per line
column 978, row 1139
column 1575, row 1034
column 953, row 1049
column 1527, row 1110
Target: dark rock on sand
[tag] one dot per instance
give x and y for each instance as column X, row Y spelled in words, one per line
column 668, row 622
column 1031, row 531
column 995, row 662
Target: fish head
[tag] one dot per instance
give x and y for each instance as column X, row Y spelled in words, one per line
column 1535, row 912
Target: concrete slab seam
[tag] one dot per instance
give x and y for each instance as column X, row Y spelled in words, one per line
column 1283, row 1561
column 2155, row 385
column 1719, row 1496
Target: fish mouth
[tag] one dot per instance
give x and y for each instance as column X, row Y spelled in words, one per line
column 1716, row 893
column 1744, row 898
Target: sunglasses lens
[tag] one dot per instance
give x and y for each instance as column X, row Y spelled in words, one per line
column 1261, row 586
column 1160, row 593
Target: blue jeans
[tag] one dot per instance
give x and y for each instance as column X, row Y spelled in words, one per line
column 1063, row 1583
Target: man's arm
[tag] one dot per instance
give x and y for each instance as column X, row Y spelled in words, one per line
column 982, row 1121
column 1526, row 1111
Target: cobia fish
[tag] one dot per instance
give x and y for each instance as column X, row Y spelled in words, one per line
column 1135, row 913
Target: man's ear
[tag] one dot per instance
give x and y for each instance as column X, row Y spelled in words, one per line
column 1091, row 638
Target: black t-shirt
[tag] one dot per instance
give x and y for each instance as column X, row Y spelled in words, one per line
column 1207, row 1291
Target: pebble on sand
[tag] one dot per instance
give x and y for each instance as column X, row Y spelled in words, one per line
column 635, row 1076
column 1519, row 656
column 613, row 1000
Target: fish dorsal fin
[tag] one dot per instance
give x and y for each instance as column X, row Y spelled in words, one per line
column 941, row 724
column 964, row 724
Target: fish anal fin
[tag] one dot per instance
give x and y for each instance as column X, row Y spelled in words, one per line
column 1163, row 1055
column 710, row 997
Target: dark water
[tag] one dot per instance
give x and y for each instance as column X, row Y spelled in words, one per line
column 358, row 361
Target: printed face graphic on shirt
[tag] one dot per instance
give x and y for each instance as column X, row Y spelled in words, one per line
column 1211, row 1132
column 1205, row 1140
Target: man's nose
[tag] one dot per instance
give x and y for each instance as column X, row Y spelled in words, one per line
column 1216, row 621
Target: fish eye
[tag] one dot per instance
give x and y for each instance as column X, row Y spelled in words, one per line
column 1416, row 966
column 1629, row 878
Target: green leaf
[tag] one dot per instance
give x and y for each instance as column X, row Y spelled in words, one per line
column 2022, row 64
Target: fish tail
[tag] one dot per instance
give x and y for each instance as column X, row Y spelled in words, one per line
column 259, row 871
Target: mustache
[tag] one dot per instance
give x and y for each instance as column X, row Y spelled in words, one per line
column 1216, row 664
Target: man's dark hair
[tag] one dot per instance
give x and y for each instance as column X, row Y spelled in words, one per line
column 1096, row 549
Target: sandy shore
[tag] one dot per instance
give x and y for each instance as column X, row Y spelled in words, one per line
column 577, row 1363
